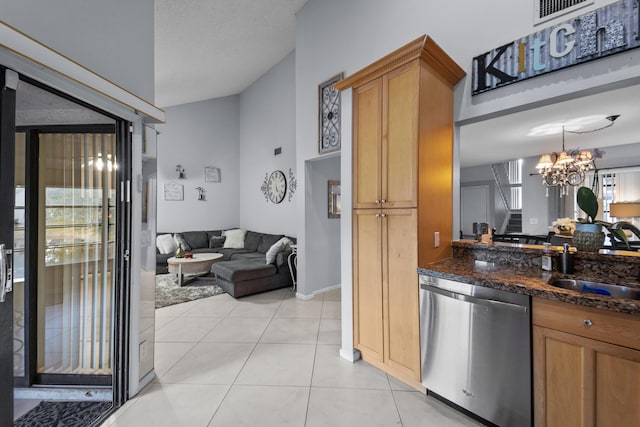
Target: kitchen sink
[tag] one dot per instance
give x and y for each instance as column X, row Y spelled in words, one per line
column 615, row 291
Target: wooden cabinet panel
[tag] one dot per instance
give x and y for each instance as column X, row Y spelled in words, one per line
column 578, row 380
column 617, row 389
column 568, row 387
column 367, row 290
column 402, row 346
column 400, row 137
column 367, row 153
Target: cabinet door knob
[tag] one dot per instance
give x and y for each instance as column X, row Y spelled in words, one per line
column 383, row 215
column 588, row 323
column 378, row 202
column 383, row 201
column 377, row 215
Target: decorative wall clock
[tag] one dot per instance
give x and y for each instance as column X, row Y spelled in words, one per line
column 329, row 116
column 274, row 186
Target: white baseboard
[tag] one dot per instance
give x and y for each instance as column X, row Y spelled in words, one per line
column 350, row 354
column 315, row 293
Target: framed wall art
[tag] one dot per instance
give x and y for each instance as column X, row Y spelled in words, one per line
column 334, row 199
column 329, row 115
column 212, row 174
column 173, row 192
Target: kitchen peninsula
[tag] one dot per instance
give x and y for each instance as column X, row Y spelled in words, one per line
column 585, row 346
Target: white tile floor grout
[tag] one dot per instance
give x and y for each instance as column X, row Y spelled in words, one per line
column 269, row 360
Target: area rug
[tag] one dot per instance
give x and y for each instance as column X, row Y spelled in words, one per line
column 169, row 293
column 63, row 414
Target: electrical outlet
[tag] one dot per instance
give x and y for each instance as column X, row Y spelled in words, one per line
column 436, row 239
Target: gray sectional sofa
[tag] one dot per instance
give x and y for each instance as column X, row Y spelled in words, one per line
column 242, row 271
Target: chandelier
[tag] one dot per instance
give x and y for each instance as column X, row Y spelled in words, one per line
column 568, row 168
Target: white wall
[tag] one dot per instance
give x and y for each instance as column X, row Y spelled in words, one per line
column 324, row 253
column 113, row 38
column 267, row 121
column 196, row 135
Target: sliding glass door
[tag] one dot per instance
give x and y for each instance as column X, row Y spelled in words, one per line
column 76, row 255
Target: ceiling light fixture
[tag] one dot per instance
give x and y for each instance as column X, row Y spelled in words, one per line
column 569, row 167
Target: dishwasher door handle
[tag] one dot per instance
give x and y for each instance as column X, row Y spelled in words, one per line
column 474, row 300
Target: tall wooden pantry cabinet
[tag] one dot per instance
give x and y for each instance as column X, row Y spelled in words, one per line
column 402, row 196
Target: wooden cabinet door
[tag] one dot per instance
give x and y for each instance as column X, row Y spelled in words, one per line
column 583, row 382
column 400, row 137
column 367, row 140
column 367, row 283
column 401, row 292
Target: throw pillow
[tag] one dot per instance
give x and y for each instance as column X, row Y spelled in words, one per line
column 216, row 241
column 276, row 248
column 234, row 238
column 181, row 242
column 166, row 244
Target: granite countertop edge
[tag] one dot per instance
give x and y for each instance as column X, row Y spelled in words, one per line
column 522, row 280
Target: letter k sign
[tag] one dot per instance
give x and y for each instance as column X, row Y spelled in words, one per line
column 483, row 69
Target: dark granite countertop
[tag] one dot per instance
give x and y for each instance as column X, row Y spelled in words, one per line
column 522, row 280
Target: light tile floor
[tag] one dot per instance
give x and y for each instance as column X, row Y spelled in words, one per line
column 269, row 360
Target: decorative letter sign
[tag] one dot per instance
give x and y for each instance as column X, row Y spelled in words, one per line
column 606, row 31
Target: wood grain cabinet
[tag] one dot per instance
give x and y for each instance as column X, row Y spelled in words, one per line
column 586, row 366
column 402, row 196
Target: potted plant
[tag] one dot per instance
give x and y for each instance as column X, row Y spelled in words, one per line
column 588, row 234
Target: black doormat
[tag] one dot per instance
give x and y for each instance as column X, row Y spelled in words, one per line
column 168, row 292
column 63, row 414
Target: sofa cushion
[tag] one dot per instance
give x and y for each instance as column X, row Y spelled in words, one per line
column 276, row 248
column 166, row 244
column 216, row 241
column 252, row 240
column 247, row 256
column 196, row 239
column 229, row 253
column 235, row 271
column 235, row 238
column 267, row 241
column 181, row 242
column 212, row 233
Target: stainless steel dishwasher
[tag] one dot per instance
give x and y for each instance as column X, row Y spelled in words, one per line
column 476, row 349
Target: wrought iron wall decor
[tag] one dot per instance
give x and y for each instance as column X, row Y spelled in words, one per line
column 181, row 172
column 293, row 184
column 201, row 192
column 329, row 115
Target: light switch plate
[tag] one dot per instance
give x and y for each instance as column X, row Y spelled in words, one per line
column 436, row 239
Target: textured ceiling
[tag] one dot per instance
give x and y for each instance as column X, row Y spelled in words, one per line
column 212, row 48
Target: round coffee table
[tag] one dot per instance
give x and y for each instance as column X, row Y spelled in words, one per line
column 198, row 265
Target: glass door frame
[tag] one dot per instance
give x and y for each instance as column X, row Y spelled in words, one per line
column 32, row 170
column 7, row 199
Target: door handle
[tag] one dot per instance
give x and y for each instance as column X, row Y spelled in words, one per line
column 6, row 272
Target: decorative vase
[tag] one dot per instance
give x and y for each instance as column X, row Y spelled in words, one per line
column 588, row 237
column 179, row 252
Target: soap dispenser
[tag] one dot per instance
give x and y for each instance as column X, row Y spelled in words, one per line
column 566, row 261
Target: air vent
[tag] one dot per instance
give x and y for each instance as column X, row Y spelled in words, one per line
column 549, row 9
